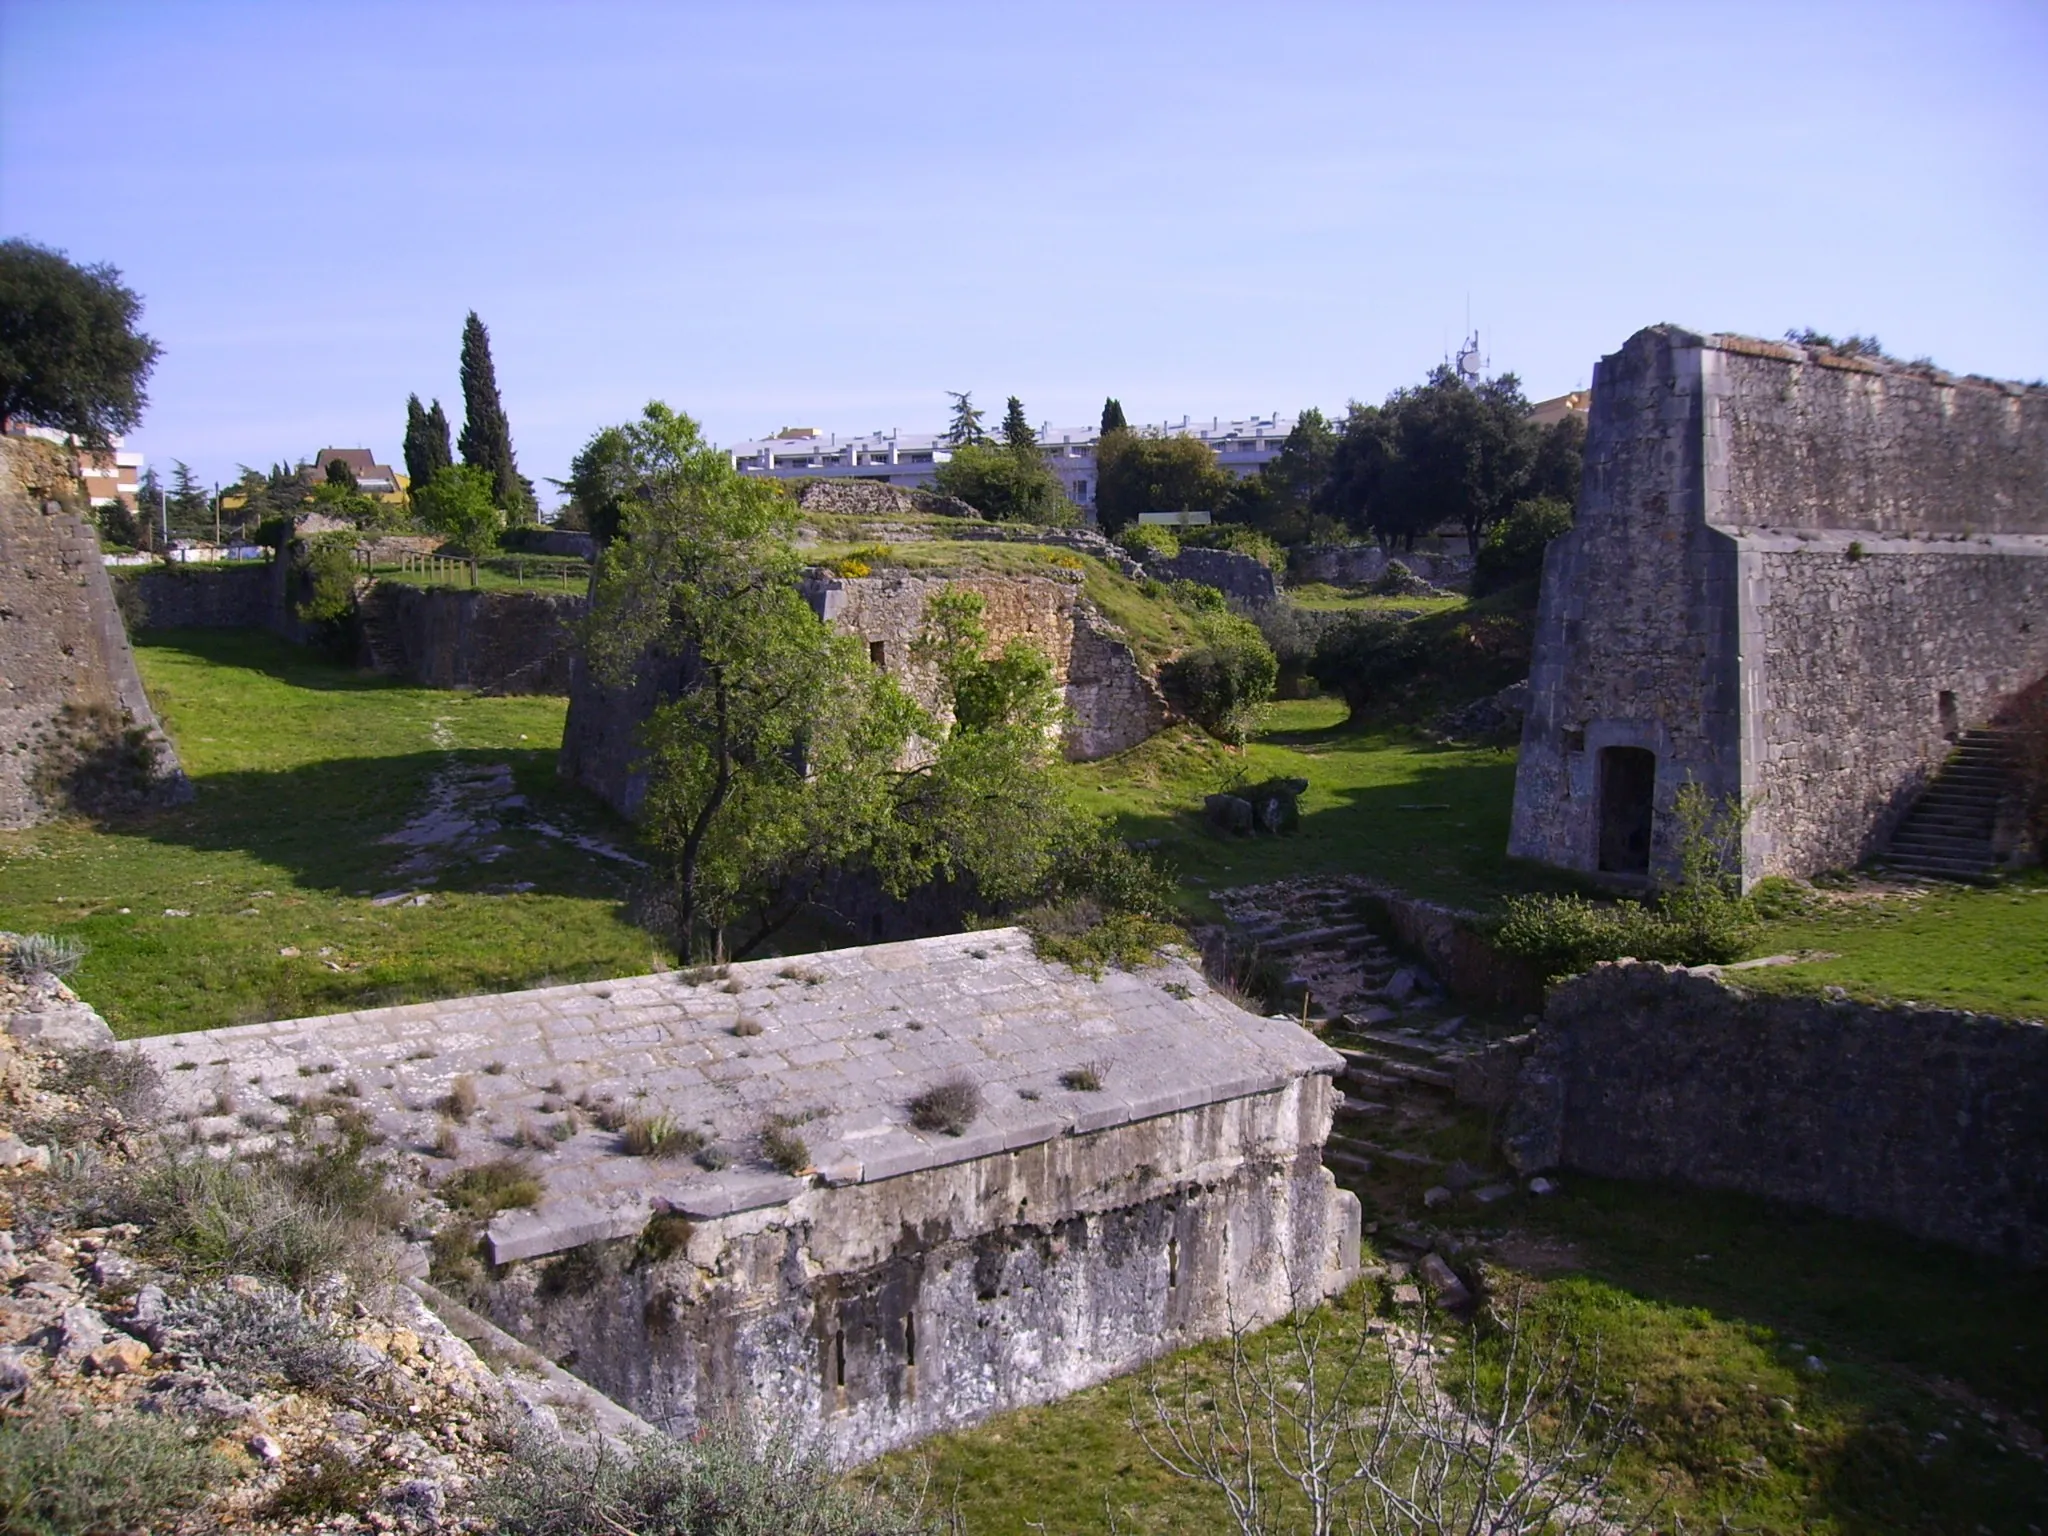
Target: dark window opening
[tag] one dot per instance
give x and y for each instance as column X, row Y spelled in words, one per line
column 1575, row 741
column 909, row 1340
column 1951, row 723
column 877, row 654
column 839, row 1358
column 1173, row 1263
column 1628, row 795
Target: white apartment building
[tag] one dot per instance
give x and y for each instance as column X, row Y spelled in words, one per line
column 913, row 458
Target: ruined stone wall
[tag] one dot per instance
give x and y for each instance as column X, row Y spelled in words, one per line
column 1359, row 565
column 451, row 637
column 876, row 1314
column 1238, row 577
column 1932, row 1120
column 199, row 597
column 1781, row 563
column 68, row 685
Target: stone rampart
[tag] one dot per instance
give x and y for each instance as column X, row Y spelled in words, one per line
column 199, row 596
column 1931, row 1120
column 69, row 691
column 452, row 637
column 1767, row 592
column 1240, row 578
column 1360, row 565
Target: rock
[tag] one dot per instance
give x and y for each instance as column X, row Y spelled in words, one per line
column 1435, row 1196
column 1407, row 1295
column 1542, row 1186
column 247, row 1286
column 1229, row 813
column 146, row 1314
column 112, row 1272
column 1486, row 1194
column 1442, row 1279
column 118, row 1357
column 14, row 1378
column 266, row 1449
column 16, row 1153
column 420, row 1497
column 1401, row 986
column 80, row 1331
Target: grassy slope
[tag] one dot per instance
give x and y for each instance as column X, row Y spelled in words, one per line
column 300, row 766
column 1321, row 597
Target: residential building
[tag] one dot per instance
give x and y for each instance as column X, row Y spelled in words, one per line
column 913, row 458
column 375, row 480
column 1548, row 413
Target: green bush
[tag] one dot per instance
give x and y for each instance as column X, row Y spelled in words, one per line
column 253, row 1339
column 32, row 956
column 65, row 1476
column 1086, row 937
column 1364, row 658
column 1149, row 541
column 1240, row 540
column 503, row 1184
column 330, row 580
column 235, row 1217
column 1224, row 682
column 728, row 1480
column 1513, row 550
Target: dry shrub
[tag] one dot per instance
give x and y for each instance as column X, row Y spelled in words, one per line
column 503, row 1184
column 660, row 1136
column 950, row 1106
column 783, row 1148
column 461, row 1100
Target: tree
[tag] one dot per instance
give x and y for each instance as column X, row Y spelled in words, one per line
column 1514, row 546
column 70, row 356
column 486, row 441
column 1113, row 416
column 601, row 478
column 1155, row 474
column 1006, row 484
column 1559, row 460
column 1291, row 479
column 966, row 425
column 458, row 502
column 1364, row 658
column 1226, row 681
column 1017, row 434
column 338, row 473
column 189, row 506
column 426, row 441
column 150, row 503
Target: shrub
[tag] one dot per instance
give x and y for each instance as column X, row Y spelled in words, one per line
column 461, row 1101
column 1148, row 541
column 574, row 1272
column 502, row 1184
column 784, row 1148
column 1514, row 546
column 1086, row 1078
column 661, row 1136
column 1197, row 597
column 223, row 1217
column 950, row 1106
column 666, row 1234
column 123, row 1078
column 33, row 956
column 1364, row 658
column 1224, row 682
column 253, row 1339
column 1080, row 934
column 61, row 1475
column 330, row 580
column 1098, row 865
column 1240, row 540
column 729, row 1478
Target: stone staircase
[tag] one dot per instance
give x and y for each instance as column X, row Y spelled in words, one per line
column 382, row 651
column 1947, row 835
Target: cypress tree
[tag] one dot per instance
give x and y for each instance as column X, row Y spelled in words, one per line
column 1113, row 416
column 426, row 441
column 486, row 440
column 1017, row 434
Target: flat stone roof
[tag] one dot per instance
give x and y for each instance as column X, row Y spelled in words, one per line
column 837, row 1043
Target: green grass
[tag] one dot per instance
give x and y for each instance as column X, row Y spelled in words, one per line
column 1432, row 820
column 1960, row 946
column 300, row 766
column 1321, row 597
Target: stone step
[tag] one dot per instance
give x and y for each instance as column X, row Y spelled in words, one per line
column 1380, row 1069
column 1361, row 1077
column 1339, row 1161
column 1343, row 933
column 1419, row 1044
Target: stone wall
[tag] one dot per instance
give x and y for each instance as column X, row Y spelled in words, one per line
column 1360, row 565
column 69, row 691
column 1238, row 577
column 199, row 597
column 452, row 637
column 884, row 1312
column 1767, row 590
column 1930, row 1120
column 1114, row 702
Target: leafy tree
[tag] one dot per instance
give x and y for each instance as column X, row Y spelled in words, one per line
column 1225, row 681
column 426, row 441
column 1514, row 546
column 486, row 440
column 966, row 425
column 601, row 478
column 1290, row 481
column 150, row 500
column 1007, row 485
column 458, row 502
column 1017, row 434
column 338, row 473
column 70, row 356
column 1137, row 474
column 1559, row 460
column 1113, row 416
column 1364, row 658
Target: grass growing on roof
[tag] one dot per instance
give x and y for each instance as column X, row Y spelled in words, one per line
column 300, row 767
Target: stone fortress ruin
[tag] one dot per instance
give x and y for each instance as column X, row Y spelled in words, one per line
column 1795, row 578
column 1139, row 1167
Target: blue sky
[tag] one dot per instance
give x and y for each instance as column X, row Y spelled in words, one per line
column 774, row 214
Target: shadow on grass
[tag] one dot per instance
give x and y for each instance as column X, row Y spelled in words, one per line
column 255, row 650
column 1925, row 1405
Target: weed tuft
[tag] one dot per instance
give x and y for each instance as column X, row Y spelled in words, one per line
column 1086, row 1078
column 950, row 1106
column 660, row 1136
column 502, row 1184
column 93, row 1472
column 783, row 1147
